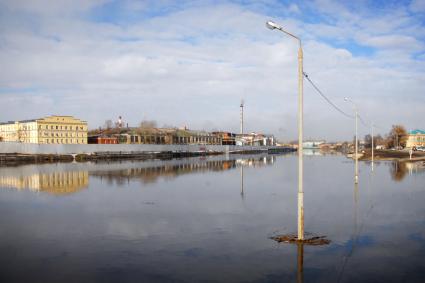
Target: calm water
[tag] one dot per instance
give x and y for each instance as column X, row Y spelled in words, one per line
column 210, row 219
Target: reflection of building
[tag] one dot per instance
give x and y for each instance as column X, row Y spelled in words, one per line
column 54, row 183
column 53, row 129
column 415, row 138
column 151, row 174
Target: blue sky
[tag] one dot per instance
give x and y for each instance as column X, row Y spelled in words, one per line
column 189, row 63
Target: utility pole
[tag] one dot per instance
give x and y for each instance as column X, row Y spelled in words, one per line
column 242, row 104
column 356, row 167
column 272, row 26
column 372, row 147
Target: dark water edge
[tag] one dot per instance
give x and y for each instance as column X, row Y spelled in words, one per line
column 210, row 219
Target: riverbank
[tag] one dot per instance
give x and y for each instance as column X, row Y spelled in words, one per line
column 11, row 159
column 393, row 155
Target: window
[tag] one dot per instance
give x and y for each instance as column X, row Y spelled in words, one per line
column 57, row 127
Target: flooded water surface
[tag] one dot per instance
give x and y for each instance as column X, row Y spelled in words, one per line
column 211, row 219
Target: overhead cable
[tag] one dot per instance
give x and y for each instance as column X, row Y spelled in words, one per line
column 327, row 99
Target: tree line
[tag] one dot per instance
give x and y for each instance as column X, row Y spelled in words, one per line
column 396, row 138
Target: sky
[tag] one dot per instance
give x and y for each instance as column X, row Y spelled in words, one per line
column 190, row 63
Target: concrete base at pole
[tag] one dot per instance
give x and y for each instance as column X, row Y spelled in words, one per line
column 309, row 239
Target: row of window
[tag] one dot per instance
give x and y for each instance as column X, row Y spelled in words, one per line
column 47, row 134
column 62, row 127
column 65, row 141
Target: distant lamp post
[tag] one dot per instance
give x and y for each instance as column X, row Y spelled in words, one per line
column 356, row 157
column 273, row 26
column 242, row 105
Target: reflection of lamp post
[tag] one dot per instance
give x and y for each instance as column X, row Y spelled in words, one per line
column 272, row 26
column 356, row 170
column 300, row 262
column 242, row 193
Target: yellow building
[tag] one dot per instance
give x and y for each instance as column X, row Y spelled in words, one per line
column 52, row 129
column 415, row 138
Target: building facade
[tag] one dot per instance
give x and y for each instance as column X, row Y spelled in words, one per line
column 415, row 138
column 48, row 130
column 163, row 136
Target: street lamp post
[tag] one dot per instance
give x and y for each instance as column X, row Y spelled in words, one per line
column 272, row 26
column 372, row 147
column 356, row 169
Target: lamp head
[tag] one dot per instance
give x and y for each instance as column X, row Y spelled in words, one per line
column 271, row 25
column 346, row 99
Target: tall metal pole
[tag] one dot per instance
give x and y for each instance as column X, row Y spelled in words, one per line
column 242, row 117
column 356, row 177
column 300, row 145
column 372, row 147
column 356, row 158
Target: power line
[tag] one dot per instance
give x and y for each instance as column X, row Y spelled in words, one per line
column 337, row 108
column 362, row 121
column 327, row 99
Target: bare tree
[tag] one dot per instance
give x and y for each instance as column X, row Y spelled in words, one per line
column 396, row 137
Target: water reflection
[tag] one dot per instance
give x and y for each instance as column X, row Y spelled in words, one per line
column 68, row 180
column 58, row 183
column 242, row 192
column 187, row 230
column 152, row 174
column 356, row 232
column 399, row 170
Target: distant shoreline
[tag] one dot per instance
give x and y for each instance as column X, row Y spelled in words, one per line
column 392, row 155
column 13, row 158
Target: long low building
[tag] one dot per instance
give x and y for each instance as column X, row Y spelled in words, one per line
column 49, row 130
column 155, row 136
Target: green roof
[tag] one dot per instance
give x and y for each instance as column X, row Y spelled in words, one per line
column 417, row 132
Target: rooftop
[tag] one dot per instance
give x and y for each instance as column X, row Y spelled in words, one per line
column 417, row 132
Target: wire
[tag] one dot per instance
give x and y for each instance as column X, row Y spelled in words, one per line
column 327, row 99
column 362, row 121
column 339, row 109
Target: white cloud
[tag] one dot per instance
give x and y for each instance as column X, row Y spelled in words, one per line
column 400, row 42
